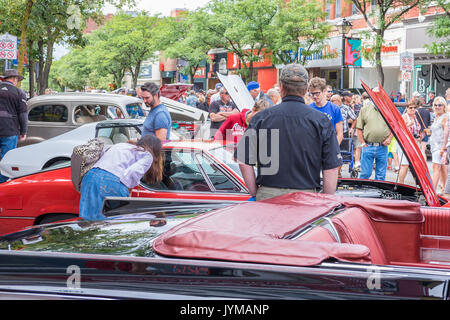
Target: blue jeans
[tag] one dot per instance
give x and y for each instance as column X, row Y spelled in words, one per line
column 95, row 186
column 368, row 155
column 6, row 144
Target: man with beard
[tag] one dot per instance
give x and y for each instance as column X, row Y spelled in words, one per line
column 158, row 121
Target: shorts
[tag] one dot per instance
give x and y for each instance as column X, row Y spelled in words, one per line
column 436, row 156
column 402, row 157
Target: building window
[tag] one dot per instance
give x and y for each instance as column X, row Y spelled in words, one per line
column 146, row 72
column 354, row 9
column 338, row 8
column 327, row 9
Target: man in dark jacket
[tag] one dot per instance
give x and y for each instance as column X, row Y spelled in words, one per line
column 13, row 113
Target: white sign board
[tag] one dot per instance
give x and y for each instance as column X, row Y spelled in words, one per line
column 237, row 90
column 8, row 47
column 407, row 61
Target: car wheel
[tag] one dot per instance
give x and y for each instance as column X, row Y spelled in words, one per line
column 56, row 217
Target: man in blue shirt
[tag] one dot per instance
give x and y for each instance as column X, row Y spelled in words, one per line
column 318, row 90
column 158, row 121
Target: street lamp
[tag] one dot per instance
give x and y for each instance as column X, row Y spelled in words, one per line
column 344, row 28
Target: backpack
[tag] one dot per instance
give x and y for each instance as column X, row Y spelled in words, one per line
column 83, row 158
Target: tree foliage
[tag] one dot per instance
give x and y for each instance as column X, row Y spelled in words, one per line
column 50, row 22
column 379, row 18
column 441, row 29
column 121, row 45
column 299, row 25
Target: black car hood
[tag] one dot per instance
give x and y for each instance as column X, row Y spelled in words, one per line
column 125, row 236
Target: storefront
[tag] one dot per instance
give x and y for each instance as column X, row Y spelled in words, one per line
column 327, row 64
column 431, row 72
column 265, row 71
column 390, row 61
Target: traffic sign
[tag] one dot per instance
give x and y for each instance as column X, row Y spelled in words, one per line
column 406, row 76
column 407, row 61
column 8, row 46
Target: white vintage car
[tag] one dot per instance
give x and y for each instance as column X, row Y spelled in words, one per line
column 35, row 157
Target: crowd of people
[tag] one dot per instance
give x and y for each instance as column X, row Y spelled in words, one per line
column 301, row 110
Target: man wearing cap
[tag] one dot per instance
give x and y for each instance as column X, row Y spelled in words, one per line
column 220, row 110
column 158, row 120
column 216, row 96
column 256, row 93
column 290, row 144
column 374, row 136
column 13, row 113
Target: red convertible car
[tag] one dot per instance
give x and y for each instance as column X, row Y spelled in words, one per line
column 192, row 170
column 196, row 170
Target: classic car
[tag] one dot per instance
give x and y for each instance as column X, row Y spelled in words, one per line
column 54, row 151
column 54, row 114
column 296, row 246
column 192, row 170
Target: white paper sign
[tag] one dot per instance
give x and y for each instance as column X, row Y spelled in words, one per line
column 8, row 47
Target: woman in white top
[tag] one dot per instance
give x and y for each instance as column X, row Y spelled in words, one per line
column 119, row 170
column 440, row 170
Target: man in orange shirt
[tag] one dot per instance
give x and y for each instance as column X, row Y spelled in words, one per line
column 234, row 126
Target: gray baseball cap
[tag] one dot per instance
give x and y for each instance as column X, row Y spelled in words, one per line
column 294, row 74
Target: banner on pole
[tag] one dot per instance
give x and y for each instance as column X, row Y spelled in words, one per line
column 352, row 51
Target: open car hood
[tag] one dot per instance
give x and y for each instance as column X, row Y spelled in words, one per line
column 237, row 90
column 404, row 137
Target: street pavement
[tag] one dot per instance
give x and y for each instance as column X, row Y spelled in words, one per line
column 390, row 175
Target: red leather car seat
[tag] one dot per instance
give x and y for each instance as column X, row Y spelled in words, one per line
column 437, row 221
column 354, row 226
column 318, row 234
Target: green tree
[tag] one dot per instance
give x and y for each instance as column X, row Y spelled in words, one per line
column 441, row 29
column 298, row 25
column 127, row 40
column 239, row 26
column 379, row 18
column 175, row 42
column 51, row 22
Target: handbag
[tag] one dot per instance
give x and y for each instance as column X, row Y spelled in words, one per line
column 427, row 130
column 83, row 158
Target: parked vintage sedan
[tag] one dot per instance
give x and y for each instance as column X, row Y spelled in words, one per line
column 54, row 151
column 296, row 246
column 54, row 114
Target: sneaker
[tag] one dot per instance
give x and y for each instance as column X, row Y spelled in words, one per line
column 357, row 165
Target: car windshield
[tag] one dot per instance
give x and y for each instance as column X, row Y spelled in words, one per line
column 225, row 154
